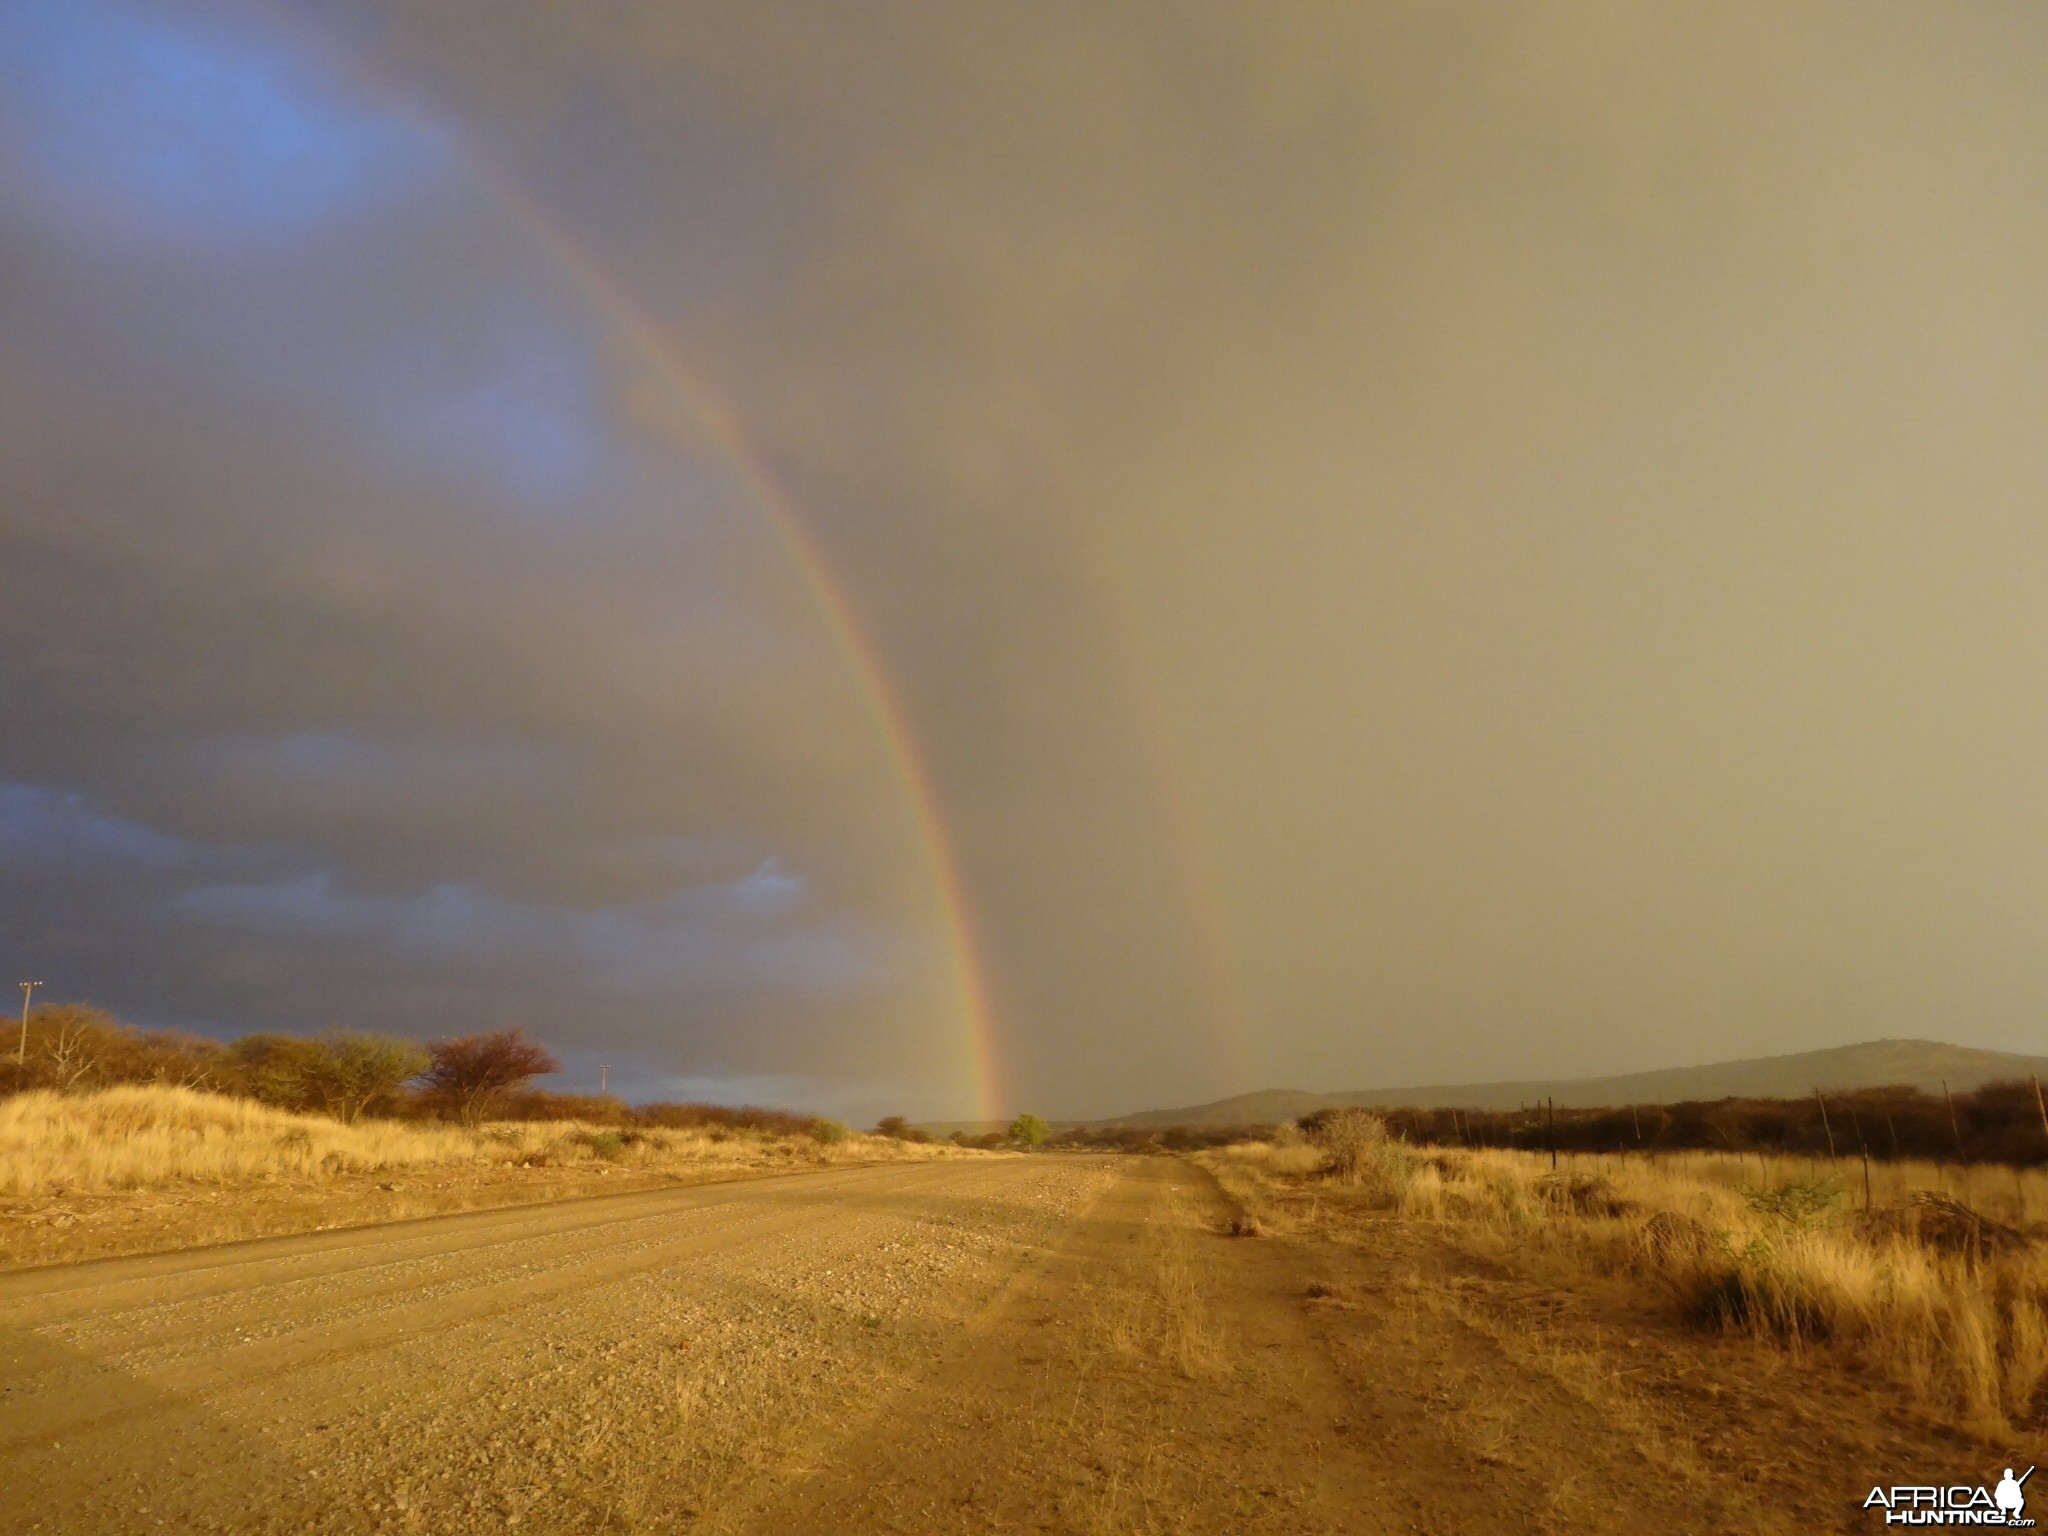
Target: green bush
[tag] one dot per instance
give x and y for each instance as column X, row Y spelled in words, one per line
column 342, row 1073
column 828, row 1132
column 1796, row 1205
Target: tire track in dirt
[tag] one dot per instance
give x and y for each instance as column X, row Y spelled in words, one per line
column 1151, row 1376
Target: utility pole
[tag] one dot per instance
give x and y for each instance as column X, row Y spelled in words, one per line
column 28, row 990
column 604, row 1079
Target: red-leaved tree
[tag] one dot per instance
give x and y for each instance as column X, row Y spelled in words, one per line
column 472, row 1073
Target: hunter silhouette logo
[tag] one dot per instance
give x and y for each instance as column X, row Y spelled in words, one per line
column 2011, row 1502
column 1961, row 1504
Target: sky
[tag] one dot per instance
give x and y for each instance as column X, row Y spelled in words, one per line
column 1075, row 557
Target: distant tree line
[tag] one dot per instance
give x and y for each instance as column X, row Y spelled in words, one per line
column 1998, row 1123
column 73, row 1048
column 1171, row 1138
column 348, row 1074
column 1026, row 1130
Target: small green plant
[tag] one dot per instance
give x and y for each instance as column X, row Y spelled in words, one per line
column 828, row 1132
column 1796, row 1205
column 609, row 1145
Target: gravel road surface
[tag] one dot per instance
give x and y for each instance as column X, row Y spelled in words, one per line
column 990, row 1345
column 643, row 1362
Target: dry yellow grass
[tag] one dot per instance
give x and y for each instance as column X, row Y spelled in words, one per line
column 152, row 1136
column 1154, row 1304
column 1781, row 1248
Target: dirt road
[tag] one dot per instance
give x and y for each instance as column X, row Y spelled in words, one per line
column 1019, row 1344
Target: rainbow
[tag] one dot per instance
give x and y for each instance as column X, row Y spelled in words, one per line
column 722, row 426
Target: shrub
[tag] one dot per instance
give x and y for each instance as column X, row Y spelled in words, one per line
column 1029, row 1130
column 1806, row 1204
column 1350, row 1138
column 744, row 1117
column 358, row 1070
column 470, row 1074
column 609, row 1145
column 279, row 1070
column 341, row 1073
column 74, row 1047
column 538, row 1104
column 1767, row 1290
column 1358, row 1151
column 828, row 1132
column 896, row 1128
column 1937, row 1222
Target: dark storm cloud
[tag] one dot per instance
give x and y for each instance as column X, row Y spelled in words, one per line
column 377, row 665
column 1416, row 541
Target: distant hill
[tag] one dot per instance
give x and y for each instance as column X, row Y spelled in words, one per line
column 1875, row 1064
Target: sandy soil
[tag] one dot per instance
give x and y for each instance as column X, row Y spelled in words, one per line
column 1036, row 1344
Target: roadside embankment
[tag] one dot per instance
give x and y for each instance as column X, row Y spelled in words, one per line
column 148, row 1168
column 1933, row 1278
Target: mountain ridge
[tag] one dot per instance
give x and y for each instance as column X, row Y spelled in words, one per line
column 1921, row 1064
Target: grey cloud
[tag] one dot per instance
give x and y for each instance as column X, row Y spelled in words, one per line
column 697, row 940
column 1414, row 541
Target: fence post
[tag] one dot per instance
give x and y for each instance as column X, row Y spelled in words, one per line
column 1550, row 1108
column 1862, row 1146
column 1824, row 1123
column 1953, row 1129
